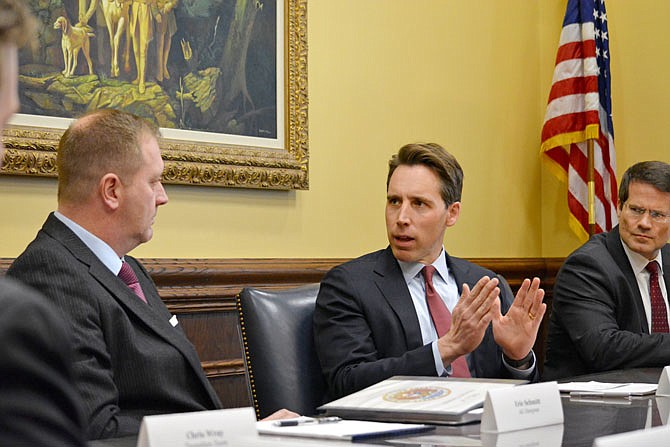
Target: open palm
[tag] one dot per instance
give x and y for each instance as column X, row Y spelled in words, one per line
column 516, row 331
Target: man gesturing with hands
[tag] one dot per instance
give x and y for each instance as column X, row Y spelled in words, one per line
column 411, row 309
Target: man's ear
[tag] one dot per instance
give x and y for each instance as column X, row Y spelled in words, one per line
column 110, row 189
column 453, row 212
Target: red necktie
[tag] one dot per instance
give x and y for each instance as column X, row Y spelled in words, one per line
column 659, row 314
column 128, row 276
column 442, row 320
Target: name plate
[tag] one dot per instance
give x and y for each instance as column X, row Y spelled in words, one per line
column 663, row 405
column 664, row 383
column 521, row 407
column 215, row 428
column 650, row 437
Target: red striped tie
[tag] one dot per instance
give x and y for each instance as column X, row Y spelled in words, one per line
column 659, row 313
column 128, row 276
column 442, row 320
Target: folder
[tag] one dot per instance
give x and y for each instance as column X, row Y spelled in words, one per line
column 430, row 400
column 344, row 430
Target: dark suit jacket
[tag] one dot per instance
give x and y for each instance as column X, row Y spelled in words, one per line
column 39, row 405
column 366, row 329
column 598, row 321
column 129, row 360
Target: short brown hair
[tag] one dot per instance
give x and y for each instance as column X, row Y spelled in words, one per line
column 437, row 159
column 654, row 173
column 17, row 24
column 99, row 142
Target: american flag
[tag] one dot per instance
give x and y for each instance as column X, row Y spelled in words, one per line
column 580, row 108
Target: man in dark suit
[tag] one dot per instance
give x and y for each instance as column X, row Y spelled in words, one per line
column 379, row 316
column 605, row 312
column 39, row 406
column 131, row 356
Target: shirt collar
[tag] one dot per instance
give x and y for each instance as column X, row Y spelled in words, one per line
column 639, row 262
column 411, row 269
column 99, row 247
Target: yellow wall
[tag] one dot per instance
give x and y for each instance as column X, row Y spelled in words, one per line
column 640, row 93
column 473, row 76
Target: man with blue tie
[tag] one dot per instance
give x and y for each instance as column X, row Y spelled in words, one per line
column 412, row 309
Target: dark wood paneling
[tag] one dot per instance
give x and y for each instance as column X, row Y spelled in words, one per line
column 233, row 390
column 200, row 329
column 201, row 292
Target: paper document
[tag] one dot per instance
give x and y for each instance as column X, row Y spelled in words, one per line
column 604, row 389
column 434, row 400
column 346, row 430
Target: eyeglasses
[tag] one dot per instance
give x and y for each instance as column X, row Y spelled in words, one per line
column 638, row 212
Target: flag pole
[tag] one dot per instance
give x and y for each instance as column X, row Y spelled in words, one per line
column 591, row 188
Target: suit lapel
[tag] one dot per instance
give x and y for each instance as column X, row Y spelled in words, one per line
column 615, row 247
column 666, row 267
column 391, row 284
column 159, row 317
column 461, row 272
column 154, row 315
column 98, row 271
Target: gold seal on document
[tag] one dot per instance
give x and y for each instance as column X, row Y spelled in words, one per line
column 417, row 394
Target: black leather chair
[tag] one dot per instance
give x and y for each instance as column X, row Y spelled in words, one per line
column 282, row 367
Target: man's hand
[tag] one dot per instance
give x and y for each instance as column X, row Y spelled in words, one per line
column 470, row 318
column 281, row 414
column 515, row 332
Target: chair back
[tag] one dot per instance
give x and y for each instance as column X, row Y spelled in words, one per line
column 282, row 366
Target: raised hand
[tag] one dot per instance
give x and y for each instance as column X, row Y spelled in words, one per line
column 516, row 331
column 470, row 318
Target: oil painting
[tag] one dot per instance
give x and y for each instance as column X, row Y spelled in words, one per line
column 224, row 79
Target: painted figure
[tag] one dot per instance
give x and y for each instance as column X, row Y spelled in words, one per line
column 141, row 34
column 166, row 27
column 116, row 14
column 75, row 38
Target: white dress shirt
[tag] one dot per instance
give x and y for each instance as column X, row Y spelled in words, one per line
column 638, row 263
column 99, row 247
column 445, row 285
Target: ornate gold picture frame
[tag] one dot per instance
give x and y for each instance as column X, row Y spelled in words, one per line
column 31, row 149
